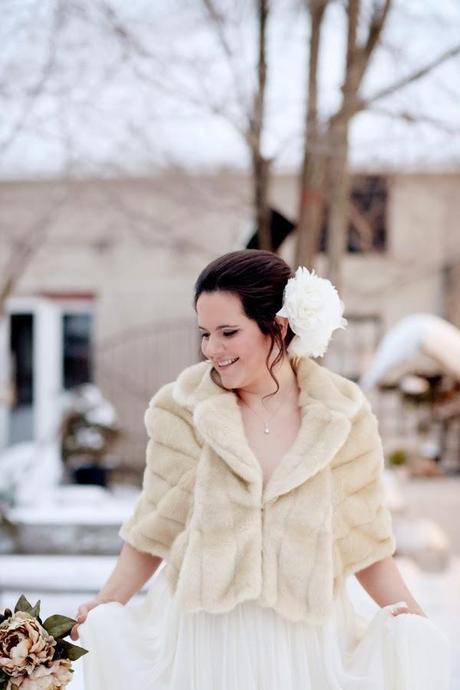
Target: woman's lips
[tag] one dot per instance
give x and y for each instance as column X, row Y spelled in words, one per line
column 227, row 366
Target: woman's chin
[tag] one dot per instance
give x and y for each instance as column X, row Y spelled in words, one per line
column 230, row 379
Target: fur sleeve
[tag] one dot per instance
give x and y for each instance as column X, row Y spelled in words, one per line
column 362, row 522
column 161, row 510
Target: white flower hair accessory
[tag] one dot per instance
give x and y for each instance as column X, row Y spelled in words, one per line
column 314, row 310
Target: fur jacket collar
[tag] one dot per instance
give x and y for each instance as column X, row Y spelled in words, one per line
column 226, row 537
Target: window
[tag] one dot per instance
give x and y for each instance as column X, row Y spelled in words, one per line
column 77, row 349
column 21, row 347
column 367, row 215
column 366, row 221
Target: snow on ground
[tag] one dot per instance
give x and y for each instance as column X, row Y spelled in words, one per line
column 62, row 583
column 77, row 505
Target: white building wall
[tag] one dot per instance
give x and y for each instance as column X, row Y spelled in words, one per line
column 139, row 245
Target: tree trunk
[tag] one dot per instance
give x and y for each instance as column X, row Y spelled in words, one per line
column 260, row 165
column 260, row 173
column 312, row 173
column 339, row 195
column 311, row 213
column 338, row 173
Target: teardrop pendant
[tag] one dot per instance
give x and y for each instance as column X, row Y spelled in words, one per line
column 266, row 429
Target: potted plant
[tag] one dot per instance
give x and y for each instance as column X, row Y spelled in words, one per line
column 89, row 431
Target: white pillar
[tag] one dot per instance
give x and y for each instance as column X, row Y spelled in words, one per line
column 48, row 376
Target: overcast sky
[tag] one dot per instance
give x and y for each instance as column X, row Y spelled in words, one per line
column 84, row 90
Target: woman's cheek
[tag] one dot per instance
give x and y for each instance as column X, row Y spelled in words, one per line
column 203, row 347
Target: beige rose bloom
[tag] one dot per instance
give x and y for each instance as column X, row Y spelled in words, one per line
column 24, row 644
column 47, row 677
column 61, row 671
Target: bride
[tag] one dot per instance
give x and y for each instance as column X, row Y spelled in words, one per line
column 262, row 494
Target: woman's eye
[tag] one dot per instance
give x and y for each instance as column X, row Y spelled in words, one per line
column 227, row 334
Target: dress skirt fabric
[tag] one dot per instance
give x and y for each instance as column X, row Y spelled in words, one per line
column 152, row 645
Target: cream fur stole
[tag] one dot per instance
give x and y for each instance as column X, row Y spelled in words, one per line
column 227, row 538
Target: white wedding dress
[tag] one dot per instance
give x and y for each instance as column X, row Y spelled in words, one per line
column 152, row 645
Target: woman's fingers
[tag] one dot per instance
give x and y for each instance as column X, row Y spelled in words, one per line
column 81, row 616
column 74, row 633
column 402, row 608
column 82, row 613
column 397, row 612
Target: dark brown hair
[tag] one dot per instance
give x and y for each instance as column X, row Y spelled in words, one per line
column 258, row 278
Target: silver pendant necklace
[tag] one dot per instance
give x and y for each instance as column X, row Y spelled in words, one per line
column 265, row 421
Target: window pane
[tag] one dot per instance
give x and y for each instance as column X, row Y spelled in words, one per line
column 78, row 365
column 21, row 418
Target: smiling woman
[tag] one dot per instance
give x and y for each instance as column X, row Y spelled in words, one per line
column 260, row 529
column 223, row 344
column 226, row 331
column 236, row 285
column 242, row 356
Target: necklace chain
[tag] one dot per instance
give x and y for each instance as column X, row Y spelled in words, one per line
column 265, row 421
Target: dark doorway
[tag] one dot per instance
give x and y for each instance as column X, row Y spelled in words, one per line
column 77, row 349
column 21, row 348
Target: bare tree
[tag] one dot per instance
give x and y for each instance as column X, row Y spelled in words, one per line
column 312, row 171
column 260, row 164
column 175, row 71
column 325, row 175
column 254, row 116
column 357, row 61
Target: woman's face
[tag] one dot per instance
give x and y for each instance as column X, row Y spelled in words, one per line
column 232, row 341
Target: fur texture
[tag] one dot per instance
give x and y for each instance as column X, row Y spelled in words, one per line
column 225, row 535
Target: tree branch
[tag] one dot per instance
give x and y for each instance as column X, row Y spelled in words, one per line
column 358, row 57
column 418, row 118
column 256, row 118
column 217, row 20
column 365, row 52
column 405, row 81
column 37, row 89
column 28, row 246
column 375, row 28
column 317, row 9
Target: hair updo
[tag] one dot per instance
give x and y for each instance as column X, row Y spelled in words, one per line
column 258, row 278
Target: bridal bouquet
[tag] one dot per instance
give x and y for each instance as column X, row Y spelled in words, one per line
column 33, row 653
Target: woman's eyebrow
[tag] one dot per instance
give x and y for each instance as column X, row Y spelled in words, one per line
column 225, row 325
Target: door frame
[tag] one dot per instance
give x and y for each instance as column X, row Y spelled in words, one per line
column 48, row 357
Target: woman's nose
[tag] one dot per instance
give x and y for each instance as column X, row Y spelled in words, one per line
column 212, row 349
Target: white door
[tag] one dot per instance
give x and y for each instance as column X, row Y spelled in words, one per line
column 44, row 349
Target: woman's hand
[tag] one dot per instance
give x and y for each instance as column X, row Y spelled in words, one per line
column 82, row 614
column 397, row 610
column 384, row 583
column 132, row 570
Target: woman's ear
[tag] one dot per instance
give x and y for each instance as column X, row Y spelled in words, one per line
column 283, row 322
